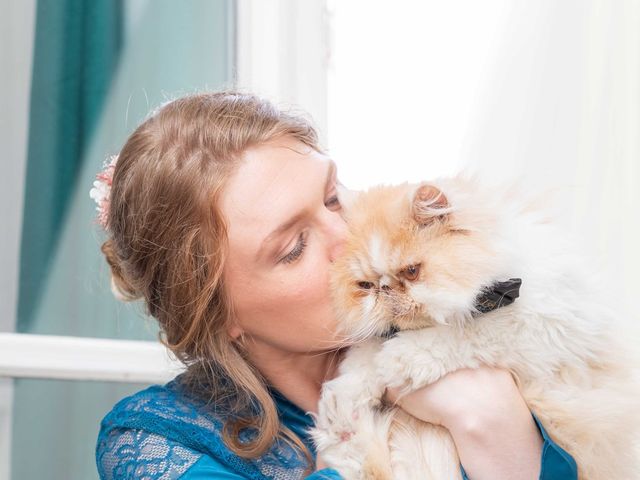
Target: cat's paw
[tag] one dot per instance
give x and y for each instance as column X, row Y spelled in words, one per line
column 340, row 409
column 342, row 432
column 412, row 361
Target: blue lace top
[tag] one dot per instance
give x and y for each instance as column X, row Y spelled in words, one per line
column 162, row 433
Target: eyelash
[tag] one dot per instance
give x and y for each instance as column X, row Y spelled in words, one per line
column 332, row 201
column 297, row 250
column 302, row 242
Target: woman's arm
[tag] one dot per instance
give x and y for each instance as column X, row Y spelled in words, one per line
column 495, row 434
column 491, row 425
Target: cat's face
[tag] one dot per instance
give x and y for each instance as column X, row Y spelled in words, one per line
column 411, row 260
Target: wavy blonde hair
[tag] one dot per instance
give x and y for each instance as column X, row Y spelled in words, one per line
column 168, row 244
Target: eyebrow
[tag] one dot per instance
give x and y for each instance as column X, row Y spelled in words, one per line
column 286, row 225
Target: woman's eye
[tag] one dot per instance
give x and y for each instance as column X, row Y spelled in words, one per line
column 297, row 250
column 332, row 202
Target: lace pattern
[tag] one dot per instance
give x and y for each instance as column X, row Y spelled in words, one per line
column 159, row 432
column 136, row 454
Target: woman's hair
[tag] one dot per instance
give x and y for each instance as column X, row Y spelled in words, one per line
column 168, row 244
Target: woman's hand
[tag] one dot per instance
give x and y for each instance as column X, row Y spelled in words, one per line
column 491, row 425
column 320, row 463
column 461, row 398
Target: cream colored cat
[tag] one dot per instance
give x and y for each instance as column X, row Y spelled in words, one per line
column 417, row 259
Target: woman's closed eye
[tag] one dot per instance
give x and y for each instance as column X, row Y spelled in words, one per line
column 297, row 250
column 332, row 203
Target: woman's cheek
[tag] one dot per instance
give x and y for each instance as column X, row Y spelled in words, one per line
column 308, row 286
column 307, row 283
column 318, row 275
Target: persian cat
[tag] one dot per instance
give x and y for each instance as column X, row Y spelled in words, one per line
column 420, row 263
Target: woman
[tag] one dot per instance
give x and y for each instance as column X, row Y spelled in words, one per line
column 222, row 215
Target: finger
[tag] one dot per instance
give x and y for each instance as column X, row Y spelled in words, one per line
column 391, row 396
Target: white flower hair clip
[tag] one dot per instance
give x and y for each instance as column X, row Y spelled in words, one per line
column 101, row 191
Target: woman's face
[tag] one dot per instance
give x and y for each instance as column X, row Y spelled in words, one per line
column 284, row 229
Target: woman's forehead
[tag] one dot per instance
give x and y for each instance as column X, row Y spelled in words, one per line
column 271, row 184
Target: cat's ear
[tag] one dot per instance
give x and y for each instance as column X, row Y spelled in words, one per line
column 429, row 204
column 346, row 197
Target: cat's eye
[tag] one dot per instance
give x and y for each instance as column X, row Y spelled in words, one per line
column 332, row 203
column 365, row 285
column 411, row 273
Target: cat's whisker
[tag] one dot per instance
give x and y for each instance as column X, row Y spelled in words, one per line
column 324, row 352
column 366, row 330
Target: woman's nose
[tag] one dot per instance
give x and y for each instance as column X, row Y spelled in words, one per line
column 336, row 232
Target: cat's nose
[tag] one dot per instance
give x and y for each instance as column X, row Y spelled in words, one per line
column 385, row 283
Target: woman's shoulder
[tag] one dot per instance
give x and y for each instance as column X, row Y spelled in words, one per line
column 160, row 409
column 163, row 432
column 158, row 432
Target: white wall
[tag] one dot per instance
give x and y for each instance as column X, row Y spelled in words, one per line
column 282, row 48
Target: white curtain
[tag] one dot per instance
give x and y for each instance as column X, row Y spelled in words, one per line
column 548, row 91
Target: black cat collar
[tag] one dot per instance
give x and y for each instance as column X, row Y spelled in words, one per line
column 500, row 294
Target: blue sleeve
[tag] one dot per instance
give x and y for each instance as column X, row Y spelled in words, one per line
column 325, row 474
column 556, row 463
column 207, row 468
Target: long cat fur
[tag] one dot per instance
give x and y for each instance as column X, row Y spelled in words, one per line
column 558, row 339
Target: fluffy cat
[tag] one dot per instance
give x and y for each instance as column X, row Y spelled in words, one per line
column 417, row 258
